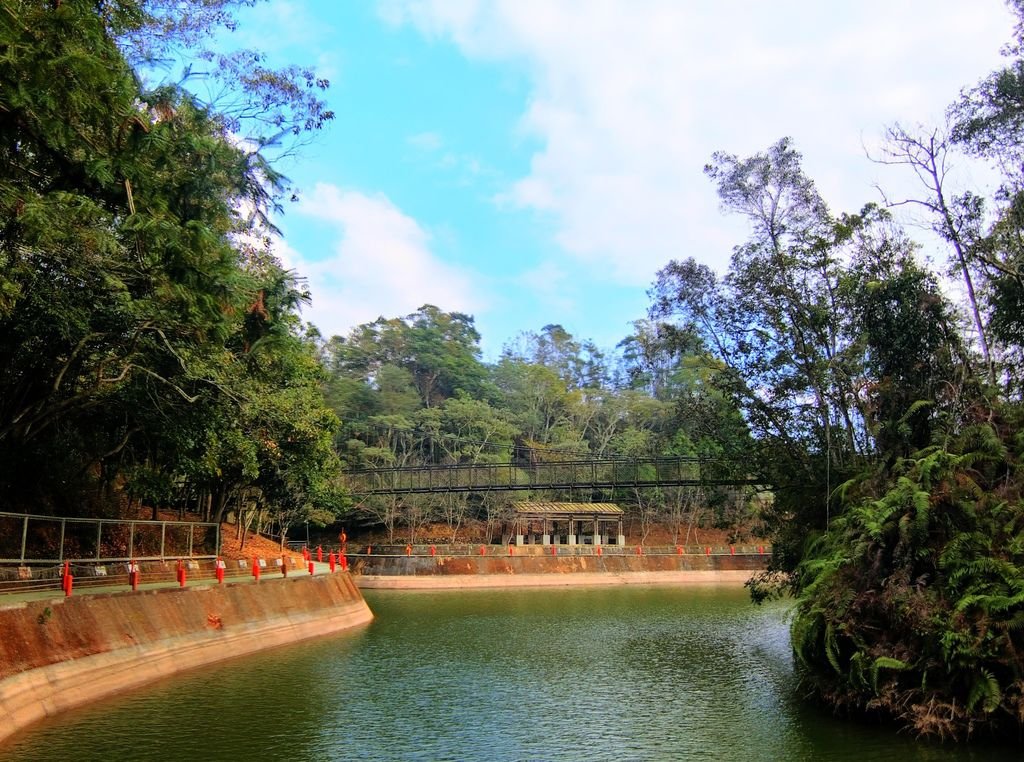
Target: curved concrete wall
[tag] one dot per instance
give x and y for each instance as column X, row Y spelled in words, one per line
column 60, row 653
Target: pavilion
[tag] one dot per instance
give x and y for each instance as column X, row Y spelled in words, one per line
column 577, row 523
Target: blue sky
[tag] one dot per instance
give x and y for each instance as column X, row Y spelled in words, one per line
column 537, row 161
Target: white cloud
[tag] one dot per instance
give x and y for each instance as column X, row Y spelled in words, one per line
column 629, row 98
column 425, row 141
column 551, row 286
column 381, row 263
column 293, row 23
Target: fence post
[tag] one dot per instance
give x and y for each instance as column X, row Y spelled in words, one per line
column 163, row 539
column 99, row 538
column 131, row 539
column 60, row 553
column 24, row 537
column 191, row 532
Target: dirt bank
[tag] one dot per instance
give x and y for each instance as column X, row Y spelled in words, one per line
column 63, row 652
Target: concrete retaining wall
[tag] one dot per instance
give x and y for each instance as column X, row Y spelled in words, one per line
column 536, row 570
column 60, row 653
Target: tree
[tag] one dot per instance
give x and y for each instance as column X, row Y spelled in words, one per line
column 102, row 251
column 144, row 331
column 537, row 395
column 470, row 431
column 439, row 350
column 910, row 608
column 653, row 354
column 771, row 333
column 926, row 153
column 773, row 320
column 914, row 357
column 986, row 122
column 580, row 366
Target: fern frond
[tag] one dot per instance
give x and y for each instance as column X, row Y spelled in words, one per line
column 886, row 662
column 832, row 648
column 984, row 688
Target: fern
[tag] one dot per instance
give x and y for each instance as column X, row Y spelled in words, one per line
column 922, row 514
column 928, row 560
column 886, row 662
column 804, row 634
column 985, row 688
column 832, row 648
column 914, row 408
column 858, row 670
column 1015, row 623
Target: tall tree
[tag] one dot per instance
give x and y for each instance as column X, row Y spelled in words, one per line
column 440, row 351
column 774, row 321
column 129, row 298
column 988, row 122
column 955, row 219
column 579, row 365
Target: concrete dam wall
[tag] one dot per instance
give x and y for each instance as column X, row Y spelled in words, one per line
column 541, row 569
column 63, row 652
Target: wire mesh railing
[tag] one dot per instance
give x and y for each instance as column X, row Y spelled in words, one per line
column 598, row 473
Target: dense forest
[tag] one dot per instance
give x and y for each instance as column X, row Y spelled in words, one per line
column 152, row 352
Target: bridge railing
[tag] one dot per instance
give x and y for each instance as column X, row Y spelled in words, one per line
column 608, row 473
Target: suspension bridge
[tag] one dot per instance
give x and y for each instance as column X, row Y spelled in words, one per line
column 599, row 473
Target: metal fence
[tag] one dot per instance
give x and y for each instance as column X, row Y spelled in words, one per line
column 27, row 538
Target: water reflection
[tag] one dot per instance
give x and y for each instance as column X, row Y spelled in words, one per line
column 597, row 674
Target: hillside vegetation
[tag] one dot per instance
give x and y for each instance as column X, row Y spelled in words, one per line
column 152, row 352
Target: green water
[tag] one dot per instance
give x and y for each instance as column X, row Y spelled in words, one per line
column 597, row 674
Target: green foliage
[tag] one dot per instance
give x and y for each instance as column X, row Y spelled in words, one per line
column 408, row 399
column 439, row 351
column 987, row 123
column 825, row 335
column 145, row 344
column 923, row 578
column 891, row 432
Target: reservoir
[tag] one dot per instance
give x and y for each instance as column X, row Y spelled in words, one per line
column 665, row 673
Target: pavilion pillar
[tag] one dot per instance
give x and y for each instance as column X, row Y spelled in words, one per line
column 597, row 530
column 571, row 539
column 518, row 530
column 622, row 537
column 545, row 538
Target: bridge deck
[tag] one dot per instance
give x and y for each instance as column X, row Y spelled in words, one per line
column 582, row 474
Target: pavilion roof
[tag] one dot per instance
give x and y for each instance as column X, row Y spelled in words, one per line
column 544, row 509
